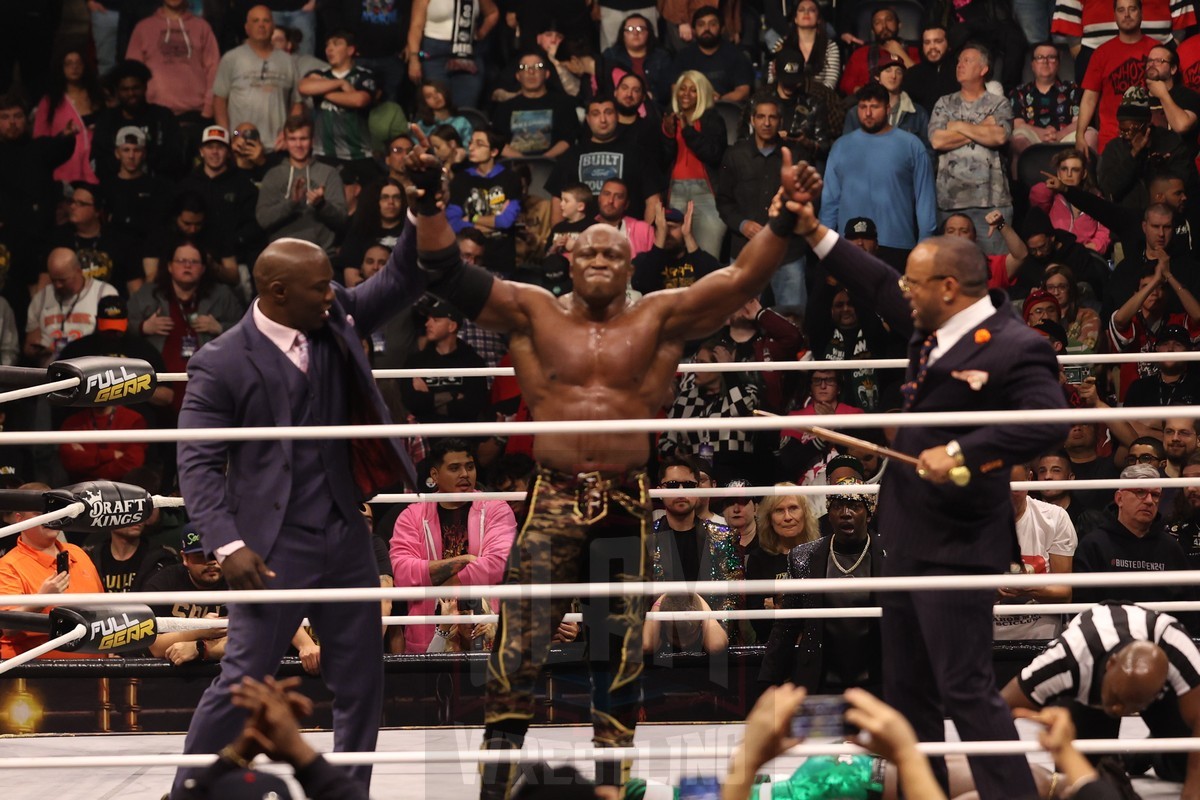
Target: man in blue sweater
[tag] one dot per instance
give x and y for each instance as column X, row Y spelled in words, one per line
column 884, row 174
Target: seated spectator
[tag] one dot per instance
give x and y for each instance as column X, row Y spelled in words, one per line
column 450, row 543
column 838, row 653
column 718, row 395
column 886, row 45
column 1001, row 267
column 902, row 112
column 754, row 333
column 693, row 141
column 636, row 50
column 1172, row 384
column 612, row 207
column 687, row 547
column 164, row 143
column 1113, row 661
column 183, row 308
column 712, row 54
column 1132, row 541
column 1045, row 109
column 434, row 109
column 342, row 97
column 1184, row 521
column 745, row 188
column 249, row 154
column 638, row 120
column 1137, row 152
column 398, row 148
column 676, row 260
column 182, row 52
column 1164, row 187
column 539, row 120
column 784, row 521
column 1070, row 170
column 105, row 252
column 1046, row 246
column 64, row 310
column 190, row 215
column 302, row 198
column 446, row 398
column 229, row 193
column 1048, row 540
column 487, row 196
column 197, row 573
column 444, row 48
column 10, row 340
column 69, row 109
column 1057, row 466
column 136, row 200
column 682, row 636
column 1039, row 306
column 463, row 637
column 1082, row 324
column 91, row 461
column 447, row 144
column 807, row 44
column 739, row 514
column 1134, row 327
column 379, row 221
column 574, row 202
column 1179, row 443
column 968, row 130
column 31, row 567
column 860, row 464
column 799, row 450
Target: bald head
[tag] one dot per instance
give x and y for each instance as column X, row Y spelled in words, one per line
column 1134, row 677
column 963, row 260
column 294, row 279
column 601, row 265
column 65, row 271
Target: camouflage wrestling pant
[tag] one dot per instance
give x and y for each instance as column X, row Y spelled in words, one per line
column 579, row 528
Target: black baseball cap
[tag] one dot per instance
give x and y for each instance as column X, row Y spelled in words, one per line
column 861, row 228
column 191, row 542
column 1175, row 333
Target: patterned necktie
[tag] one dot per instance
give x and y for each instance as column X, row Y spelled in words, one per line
column 300, row 347
column 909, row 389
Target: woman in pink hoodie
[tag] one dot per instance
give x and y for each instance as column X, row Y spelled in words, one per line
column 72, row 100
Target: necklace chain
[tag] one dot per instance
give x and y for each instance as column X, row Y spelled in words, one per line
column 854, row 566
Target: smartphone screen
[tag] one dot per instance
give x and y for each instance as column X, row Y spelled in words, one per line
column 822, row 716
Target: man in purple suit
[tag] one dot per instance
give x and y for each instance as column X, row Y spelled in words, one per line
column 967, row 351
column 284, row 514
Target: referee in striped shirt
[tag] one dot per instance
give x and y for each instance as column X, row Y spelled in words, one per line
column 1118, row 659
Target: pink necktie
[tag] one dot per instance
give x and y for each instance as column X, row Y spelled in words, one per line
column 301, row 349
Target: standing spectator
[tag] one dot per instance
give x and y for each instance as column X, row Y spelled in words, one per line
column 31, row 568
column 450, row 543
column 229, row 193
column 342, row 96
column 105, row 252
column 444, row 39
column 183, row 308
column 1048, row 540
column 102, row 460
column 968, row 129
column 136, row 200
column 896, row 192
column 1089, row 24
column 257, row 83
column 444, row 398
column 903, row 113
column 605, row 154
column 885, row 46
column 302, row 198
column 487, row 196
column 1140, row 151
column 182, row 54
column 808, row 44
column 745, row 189
column 539, row 120
column 1180, row 105
column 635, row 49
column 693, row 142
column 1070, row 170
column 1115, row 66
column 73, row 99
column 712, row 54
column 935, row 76
column 64, row 310
column 1045, row 109
column 164, row 143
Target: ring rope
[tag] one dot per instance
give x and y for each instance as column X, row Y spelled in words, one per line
column 38, row 391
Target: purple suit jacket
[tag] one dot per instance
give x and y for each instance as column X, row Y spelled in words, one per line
column 239, row 490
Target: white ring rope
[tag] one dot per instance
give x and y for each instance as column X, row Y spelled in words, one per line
column 592, row 753
column 78, row 632
column 752, row 366
column 946, row 419
column 633, row 588
column 38, row 390
column 68, row 511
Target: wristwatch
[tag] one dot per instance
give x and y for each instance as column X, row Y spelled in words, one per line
column 954, row 450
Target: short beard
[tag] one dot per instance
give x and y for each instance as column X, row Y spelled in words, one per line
column 624, row 110
column 876, row 128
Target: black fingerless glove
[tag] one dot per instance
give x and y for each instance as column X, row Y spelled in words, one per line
column 783, row 224
column 429, row 182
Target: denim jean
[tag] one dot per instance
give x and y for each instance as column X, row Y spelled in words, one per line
column 465, row 88
column 306, row 23
column 787, row 284
column 1034, row 18
column 707, row 227
column 389, row 73
column 104, row 35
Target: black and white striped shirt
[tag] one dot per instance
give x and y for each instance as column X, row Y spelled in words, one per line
column 1073, row 665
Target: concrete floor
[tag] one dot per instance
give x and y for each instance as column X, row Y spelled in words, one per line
column 411, row 782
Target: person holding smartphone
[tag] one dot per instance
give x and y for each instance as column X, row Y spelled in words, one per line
column 41, row 564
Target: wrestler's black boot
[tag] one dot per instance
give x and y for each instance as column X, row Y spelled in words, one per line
column 496, row 779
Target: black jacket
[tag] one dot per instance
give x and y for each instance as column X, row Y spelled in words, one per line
column 708, row 143
column 746, row 185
